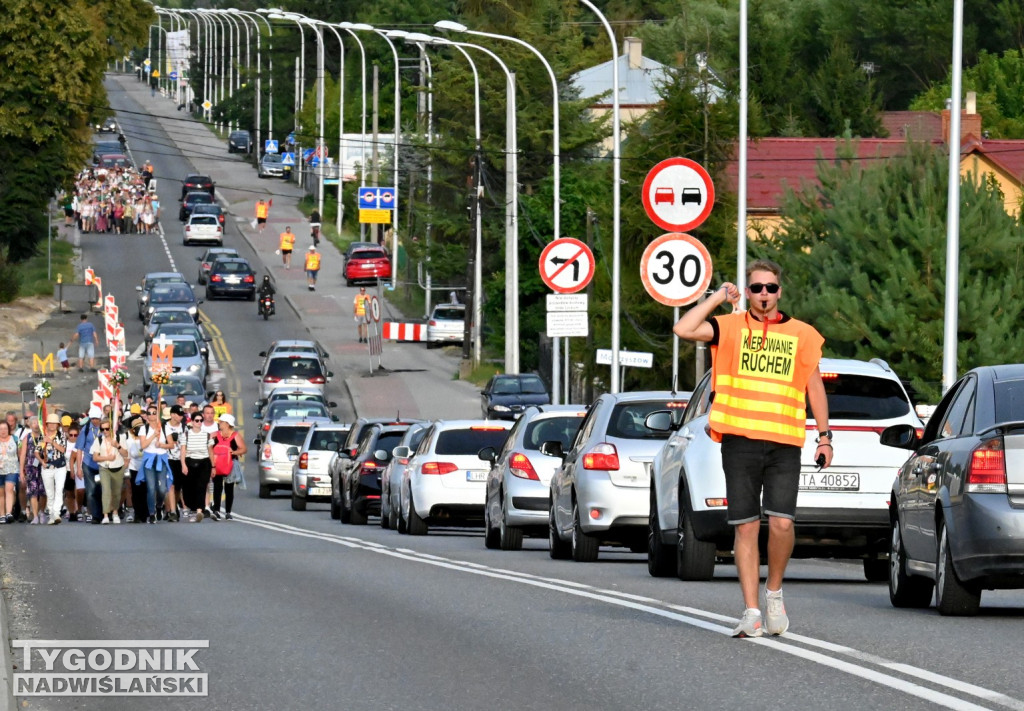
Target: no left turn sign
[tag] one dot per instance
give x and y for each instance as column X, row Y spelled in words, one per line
column 675, row 269
column 566, row 265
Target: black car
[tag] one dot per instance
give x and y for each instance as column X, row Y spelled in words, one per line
column 176, row 294
column 196, row 182
column 231, row 276
column 109, row 125
column 211, row 208
column 506, row 396
column 956, row 506
column 239, row 142
column 355, row 484
column 211, row 255
column 189, row 202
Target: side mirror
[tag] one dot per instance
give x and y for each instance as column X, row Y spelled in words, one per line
column 330, row 373
column 334, row 418
column 402, row 452
column 256, row 441
column 200, row 301
column 256, row 373
column 199, row 259
column 138, row 288
column 900, row 436
column 257, row 415
column 552, row 448
column 332, row 404
column 292, row 452
column 381, row 455
column 488, row 454
column 263, row 354
column 659, row 421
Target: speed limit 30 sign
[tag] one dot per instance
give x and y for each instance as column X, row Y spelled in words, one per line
column 676, row 269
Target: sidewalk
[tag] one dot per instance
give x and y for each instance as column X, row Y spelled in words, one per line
column 416, row 382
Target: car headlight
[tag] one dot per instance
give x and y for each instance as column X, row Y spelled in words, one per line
column 150, row 310
column 194, row 368
column 144, row 299
column 501, row 408
column 192, row 310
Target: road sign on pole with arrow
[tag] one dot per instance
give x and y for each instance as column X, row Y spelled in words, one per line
column 566, row 265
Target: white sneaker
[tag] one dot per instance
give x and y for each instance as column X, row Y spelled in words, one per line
column 749, row 625
column 776, row 619
column 117, row 519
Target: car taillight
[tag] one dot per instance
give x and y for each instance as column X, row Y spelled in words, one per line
column 206, row 266
column 437, row 468
column 218, row 229
column 266, row 426
column 216, row 277
column 304, row 460
column 188, row 228
column 249, row 279
column 519, row 465
column 986, row 472
column 267, row 452
column 352, row 452
column 271, row 379
column 318, row 380
column 370, row 464
column 431, row 322
column 603, row 457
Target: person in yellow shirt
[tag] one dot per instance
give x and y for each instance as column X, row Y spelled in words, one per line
column 312, row 267
column 359, row 305
column 286, row 246
column 262, row 212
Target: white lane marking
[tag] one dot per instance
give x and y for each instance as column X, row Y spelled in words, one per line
column 692, row 617
column 167, row 249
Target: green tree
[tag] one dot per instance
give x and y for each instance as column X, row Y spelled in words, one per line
column 843, row 97
column 863, row 255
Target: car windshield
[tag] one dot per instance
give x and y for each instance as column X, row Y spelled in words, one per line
column 163, row 295
column 862, row 397
column 182, row 387
column 562, row 429
column 196, row 198
column 449, row 313
column 178, row 329
column 171, row 279
column 185, row 349
column 290, row 435
column 1009, row 399
column 388, row 441
column 323, row 439
column 470, row 440
column 213, row 254
column 627, row 419
column 294, row 368
column 170, row 317
column 210, row 209
column 518, row 384
column 231, row 267
column 272, row 158
column 204, row 220
column 369, row 254
column 296, row 409
column 297, row 398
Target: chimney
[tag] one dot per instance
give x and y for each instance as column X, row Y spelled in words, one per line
column 970, row 119
column 633, row 49
column 972, row 102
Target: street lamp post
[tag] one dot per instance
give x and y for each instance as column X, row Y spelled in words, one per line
column 347, row 26
column 341, row 123
column 616, row 196
column 250, row 16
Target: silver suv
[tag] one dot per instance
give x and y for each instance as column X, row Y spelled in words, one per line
column 599, row 494
column 842, row 511
column 310, row 479
column 277, row 452
column 299, row 369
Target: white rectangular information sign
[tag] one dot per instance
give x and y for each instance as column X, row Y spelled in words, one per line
column 567, row 324
column 631, row 358
column 566, row 302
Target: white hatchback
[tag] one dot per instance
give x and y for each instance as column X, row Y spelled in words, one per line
column 203, row 228
column 444, row 483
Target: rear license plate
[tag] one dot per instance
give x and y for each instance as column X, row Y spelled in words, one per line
column 233, row 280
column 476, row 476
column 829, row 481
column 320, row 491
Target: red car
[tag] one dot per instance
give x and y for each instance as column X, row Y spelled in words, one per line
column 367, row 265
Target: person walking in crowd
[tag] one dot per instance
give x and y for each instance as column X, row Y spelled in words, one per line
column 174, row 429
column 760, row 419
column 359, row 305
column 74, row 487
column 285, row 246
column 109, row 455
column 314, row 226
column 155, row 464
column 262, row 212
column 52, row 454
column 10, row 471
column 31, row 469
column 220, row 405
column 197, row 448
column 87, row 468
column 133, row 496
column 312, row 267
column 62, row 358
column 88, row 340
column 228, row 448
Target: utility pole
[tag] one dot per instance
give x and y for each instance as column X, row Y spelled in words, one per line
column 472, row 325
column 375, row 175
column 588, row 379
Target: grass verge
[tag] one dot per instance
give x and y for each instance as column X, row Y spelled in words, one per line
column 33, row 271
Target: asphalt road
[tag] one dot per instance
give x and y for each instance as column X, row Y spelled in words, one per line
column 302, row 611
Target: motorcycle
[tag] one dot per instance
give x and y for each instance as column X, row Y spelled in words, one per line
column 266, row 306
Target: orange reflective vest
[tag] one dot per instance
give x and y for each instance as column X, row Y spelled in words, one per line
column 360, row 304
column 287, row 240
column 760, row 383
column 312, row 261
column 262, row 209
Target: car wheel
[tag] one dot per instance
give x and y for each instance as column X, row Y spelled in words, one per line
column 252, row 296
column 355, row 516
column 298, row 503
column 584, row 547
column 385, row 516
column 695, row 560
column 402, row 524
column 905, row 590
column 876, row 570
column 346, row 512
column 348, row 282
column 335, row 510
column 264, row 491
column 185, row 242
column 491, row 535
column 416, row 525
column 209, row 294
column 393, row 520
column 557, row 548
column 953, row 597
column 661, row 559
column 511, row 538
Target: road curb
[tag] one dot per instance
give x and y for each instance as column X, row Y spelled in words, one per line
column 7, row 701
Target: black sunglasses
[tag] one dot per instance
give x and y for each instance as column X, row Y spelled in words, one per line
column 770, row 288
column 104, row 429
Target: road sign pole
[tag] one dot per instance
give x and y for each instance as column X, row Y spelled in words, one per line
column 675, row 351
column 555, row 367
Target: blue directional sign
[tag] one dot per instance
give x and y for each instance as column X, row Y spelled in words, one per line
column 288, row 158
column 375, row 198
column 307, row 155
column 173, row 75
column 270, row 146
column 290, row 138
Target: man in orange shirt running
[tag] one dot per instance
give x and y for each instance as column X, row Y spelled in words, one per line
column 764, row 374
column 262, row 212
column 286, row 246
column 312, row 267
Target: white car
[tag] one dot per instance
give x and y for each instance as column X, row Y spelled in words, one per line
column 277, row 452
column 447, row 324
column 444, row 481
column 203, row 228
column 842, row 511
column 310, row 478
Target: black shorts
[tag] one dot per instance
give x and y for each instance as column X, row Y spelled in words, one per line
column 261, row 220
column 754, row 468
column 286, row 251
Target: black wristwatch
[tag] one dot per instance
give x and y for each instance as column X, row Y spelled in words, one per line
column 826, row 433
